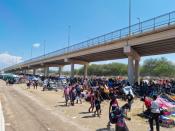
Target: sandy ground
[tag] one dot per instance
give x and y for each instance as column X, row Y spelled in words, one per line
column 53, row 103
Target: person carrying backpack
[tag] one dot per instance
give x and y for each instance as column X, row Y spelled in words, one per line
column 117, row 116
column 78, row 93
column 112, row 107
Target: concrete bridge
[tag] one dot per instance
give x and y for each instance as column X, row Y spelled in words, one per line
column 151, row 37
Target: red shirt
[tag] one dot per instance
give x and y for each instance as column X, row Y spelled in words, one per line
column 147, row 103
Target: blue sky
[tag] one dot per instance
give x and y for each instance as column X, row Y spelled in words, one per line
column 27, row 22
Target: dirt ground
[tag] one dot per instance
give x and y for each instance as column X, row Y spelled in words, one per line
column 77, row 117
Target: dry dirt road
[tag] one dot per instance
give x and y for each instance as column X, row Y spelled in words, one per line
column 35, row 110
column 23, row 113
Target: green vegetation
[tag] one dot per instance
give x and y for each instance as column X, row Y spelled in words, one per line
column 158, row 67
column 151, row 67
column 112, row 69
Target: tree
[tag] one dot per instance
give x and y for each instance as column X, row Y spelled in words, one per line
column 113, row 69
column 158, row 67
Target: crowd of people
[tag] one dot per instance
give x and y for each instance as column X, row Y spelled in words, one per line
column 33, row 83
column 99, row 89
column 96, row 90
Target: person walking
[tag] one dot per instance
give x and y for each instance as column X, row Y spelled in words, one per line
column 112, row 107
column 118, row 115
column 78, row 93
column 97, row 103
column 155, row 112
column 92, row 98
column 72, row 94
column 66, row 94
column 130, row 100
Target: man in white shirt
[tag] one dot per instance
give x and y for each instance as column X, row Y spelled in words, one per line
column 155, row 112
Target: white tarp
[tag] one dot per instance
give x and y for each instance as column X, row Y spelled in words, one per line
column 128, row 89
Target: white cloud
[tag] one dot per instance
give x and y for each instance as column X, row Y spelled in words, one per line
column 36, row 45
column 7, row 59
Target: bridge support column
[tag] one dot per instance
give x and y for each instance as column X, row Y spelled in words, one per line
column 46, row 71
column 27, row 71
column 60, row 70
column 85, row 70
column 130, row 70
column 133, row 67
column 137, row 71
column 72, row 70
column 24, row 72
column 34, row 71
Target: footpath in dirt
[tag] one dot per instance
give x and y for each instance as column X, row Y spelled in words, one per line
column 35, row 110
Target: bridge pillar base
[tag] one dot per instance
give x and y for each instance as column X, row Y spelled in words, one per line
column 46, row 71
column 72, row 70
column 130, row 70
column 133, row 64
column 34, row 71
column 24, row 72
column 60, row 70
column 137, row 71
column 85, row 70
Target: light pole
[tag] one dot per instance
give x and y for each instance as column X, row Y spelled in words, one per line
column 68, row 39
column 129, row 17
column 44, row 48
column 139, row 24
column 68, row 43
column 31, row 51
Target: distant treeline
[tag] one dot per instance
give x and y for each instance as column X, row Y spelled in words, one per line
column 151, row 67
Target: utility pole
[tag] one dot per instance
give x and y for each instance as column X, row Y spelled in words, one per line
column 139, row 24
column 68, row 39
column 129, row 17
column 44, row 48
column 31, row 51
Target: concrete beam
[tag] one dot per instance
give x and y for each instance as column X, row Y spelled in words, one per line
column 67, row 60
column 129, row 51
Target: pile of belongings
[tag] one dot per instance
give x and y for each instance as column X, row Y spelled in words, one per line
column 167, row 104
column 128, row 89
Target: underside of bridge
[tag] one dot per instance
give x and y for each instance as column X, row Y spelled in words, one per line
column 155, row 42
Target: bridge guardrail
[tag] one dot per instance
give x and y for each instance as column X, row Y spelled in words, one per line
column 148, row 25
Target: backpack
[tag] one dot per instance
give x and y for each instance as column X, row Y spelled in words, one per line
column 78, row 89
column 113, row 116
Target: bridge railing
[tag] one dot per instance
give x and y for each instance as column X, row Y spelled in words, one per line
column 148, row 25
